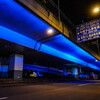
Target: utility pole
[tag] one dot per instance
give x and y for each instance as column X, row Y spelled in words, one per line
column 59, row 10
column 98, row 47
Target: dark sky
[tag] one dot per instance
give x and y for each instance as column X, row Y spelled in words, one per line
column 78, row 10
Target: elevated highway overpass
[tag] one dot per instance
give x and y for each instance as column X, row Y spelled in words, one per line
column 22, row 29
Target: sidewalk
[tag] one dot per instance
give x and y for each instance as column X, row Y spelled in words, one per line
column 11, row 82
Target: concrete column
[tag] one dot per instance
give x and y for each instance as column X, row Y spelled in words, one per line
column 64, row 71
column 75, row 72
column 80, row 70
column 16, row 66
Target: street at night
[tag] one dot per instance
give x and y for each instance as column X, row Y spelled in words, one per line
column 49, row 50
column 74, row 90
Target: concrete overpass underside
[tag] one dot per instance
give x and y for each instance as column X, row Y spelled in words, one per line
column 23, row 33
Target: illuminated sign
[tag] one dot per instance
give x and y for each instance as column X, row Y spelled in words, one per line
column 88, row 31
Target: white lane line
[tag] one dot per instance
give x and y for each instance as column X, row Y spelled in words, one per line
column 2, row 98
column 83, row 84
column 87, row 84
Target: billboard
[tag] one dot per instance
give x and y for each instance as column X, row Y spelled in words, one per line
column 88, row 31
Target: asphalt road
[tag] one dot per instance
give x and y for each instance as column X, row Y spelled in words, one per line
column 76, row 90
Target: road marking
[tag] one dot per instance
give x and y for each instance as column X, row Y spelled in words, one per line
column 83, row 84
column 3, row 98
column 87, row 84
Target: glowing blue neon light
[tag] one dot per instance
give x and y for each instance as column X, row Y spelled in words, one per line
column 93, row 66
column 41, row 69
column 35, row 69
column 59, row 54
column 65, row 45
column 15, row 17
column 15, row 37
column 3, row 68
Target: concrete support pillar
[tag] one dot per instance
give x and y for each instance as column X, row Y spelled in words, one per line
column 16, row 66
column 80, row 70
column 75, row 72
column 64, row 71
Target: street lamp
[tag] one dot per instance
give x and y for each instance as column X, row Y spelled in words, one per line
column 50, row 31
column 96, row 10
column 96, row 60
column 96, row 13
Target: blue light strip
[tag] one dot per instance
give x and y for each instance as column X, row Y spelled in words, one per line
column 15, row 37
column 16, row 18
column 65, row 45
column 4, row 68
column 37, row 66
column 42, row 69
column 65, row 56
column 16, row 11
column 77, row 49
column 93, row 66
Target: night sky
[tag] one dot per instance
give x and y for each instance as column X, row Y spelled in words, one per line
column 78, row 10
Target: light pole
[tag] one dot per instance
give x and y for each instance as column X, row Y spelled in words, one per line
column 96, row 11
column 59, row 10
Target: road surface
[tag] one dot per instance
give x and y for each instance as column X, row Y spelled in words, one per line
column 75, row 90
